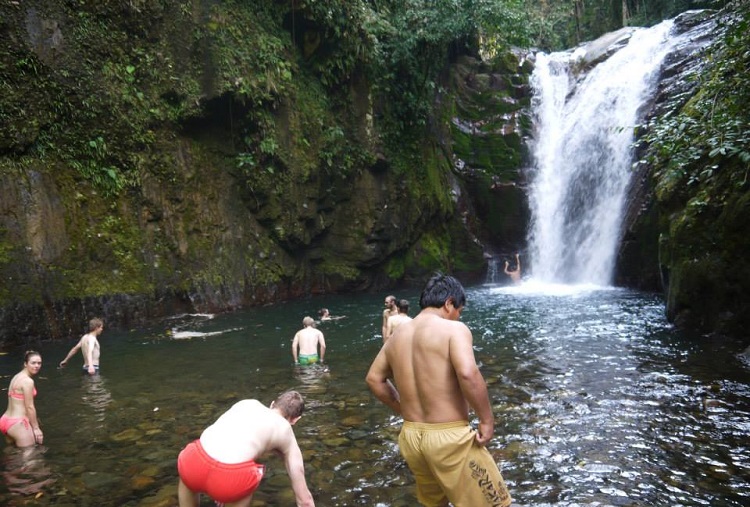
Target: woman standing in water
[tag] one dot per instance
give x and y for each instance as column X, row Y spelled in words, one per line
column 19, row 423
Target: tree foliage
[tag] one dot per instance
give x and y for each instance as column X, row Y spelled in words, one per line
column 708, row 141
column 560, row 24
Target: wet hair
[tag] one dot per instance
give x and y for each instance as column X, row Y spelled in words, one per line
column 441, row 288
column 95, row 324
column 322, row 312
column 29, row 354
column 290, row 403
column 308, row 322
column 391, row 299
column 403, row 306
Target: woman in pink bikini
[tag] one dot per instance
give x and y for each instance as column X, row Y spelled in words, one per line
column 19, row 423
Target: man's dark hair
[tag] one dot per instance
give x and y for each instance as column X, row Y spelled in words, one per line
column 403, row 306
column 290, row 403
column 439, row 289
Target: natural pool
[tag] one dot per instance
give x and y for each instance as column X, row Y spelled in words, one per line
column 597, row 400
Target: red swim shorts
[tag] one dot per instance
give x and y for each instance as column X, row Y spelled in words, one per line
column 223, row 483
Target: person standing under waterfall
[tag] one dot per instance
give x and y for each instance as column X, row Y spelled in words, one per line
column 515, row 273
column 431, row 362
column 89, row 345
column 306, row 342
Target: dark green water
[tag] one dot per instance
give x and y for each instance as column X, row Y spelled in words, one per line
column 597, row 401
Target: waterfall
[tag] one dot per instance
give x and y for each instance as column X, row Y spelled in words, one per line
column 493, row 269
column 582, row 155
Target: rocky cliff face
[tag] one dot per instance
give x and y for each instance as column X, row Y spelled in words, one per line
column 687, row 223
column 159, row 157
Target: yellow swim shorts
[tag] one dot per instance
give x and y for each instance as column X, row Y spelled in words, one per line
column 448, row 464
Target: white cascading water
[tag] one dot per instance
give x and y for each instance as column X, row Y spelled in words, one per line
column 582, row 153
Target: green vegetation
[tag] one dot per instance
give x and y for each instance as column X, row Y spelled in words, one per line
column 561, row 24
column 700, row 155
column 237, row 145
column 708, row 143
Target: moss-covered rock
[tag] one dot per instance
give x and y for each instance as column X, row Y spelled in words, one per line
column 698, row 153
column 162, row 156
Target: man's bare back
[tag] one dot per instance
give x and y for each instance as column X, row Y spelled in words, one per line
column 307, row 341
column 431, row 360
column 430, row 393
column 393, row 323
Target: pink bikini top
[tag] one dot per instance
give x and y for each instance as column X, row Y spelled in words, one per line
column 18, row 396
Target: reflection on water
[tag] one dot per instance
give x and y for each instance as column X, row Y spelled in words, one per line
column 597, row 402
column 95, row 395
column 25, row 472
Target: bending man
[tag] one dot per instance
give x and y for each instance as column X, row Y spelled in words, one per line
column 222, row 462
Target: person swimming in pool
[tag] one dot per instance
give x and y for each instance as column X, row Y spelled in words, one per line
column 306, row 342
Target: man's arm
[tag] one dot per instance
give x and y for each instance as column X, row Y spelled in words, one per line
column 386, row 314
column 295, row 467
column 295, row 343
column 380, row 385
column 71, row 353
column 322, row 343
column 471, row 382
column 518, row 263
column 506, row 268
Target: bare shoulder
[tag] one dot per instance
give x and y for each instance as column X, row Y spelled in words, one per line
column 459, row 330
column 26, row 382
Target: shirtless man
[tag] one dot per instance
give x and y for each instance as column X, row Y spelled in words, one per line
column 514, row 274
column 221, row 463
column 305, row 344
column 390, row 310
column 431, row 361
column 89, row 345
column 395, row 320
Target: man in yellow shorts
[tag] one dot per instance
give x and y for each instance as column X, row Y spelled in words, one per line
column 431, row 360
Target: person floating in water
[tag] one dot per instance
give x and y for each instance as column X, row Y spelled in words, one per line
column 514, row 274
column 306, row 342
column 326, row 315
column 89, row 345
column 221, row 463
column 431, row 362
column 19, row 423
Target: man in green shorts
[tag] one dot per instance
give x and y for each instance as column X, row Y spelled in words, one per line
column 431, row 362
column 306, row 342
